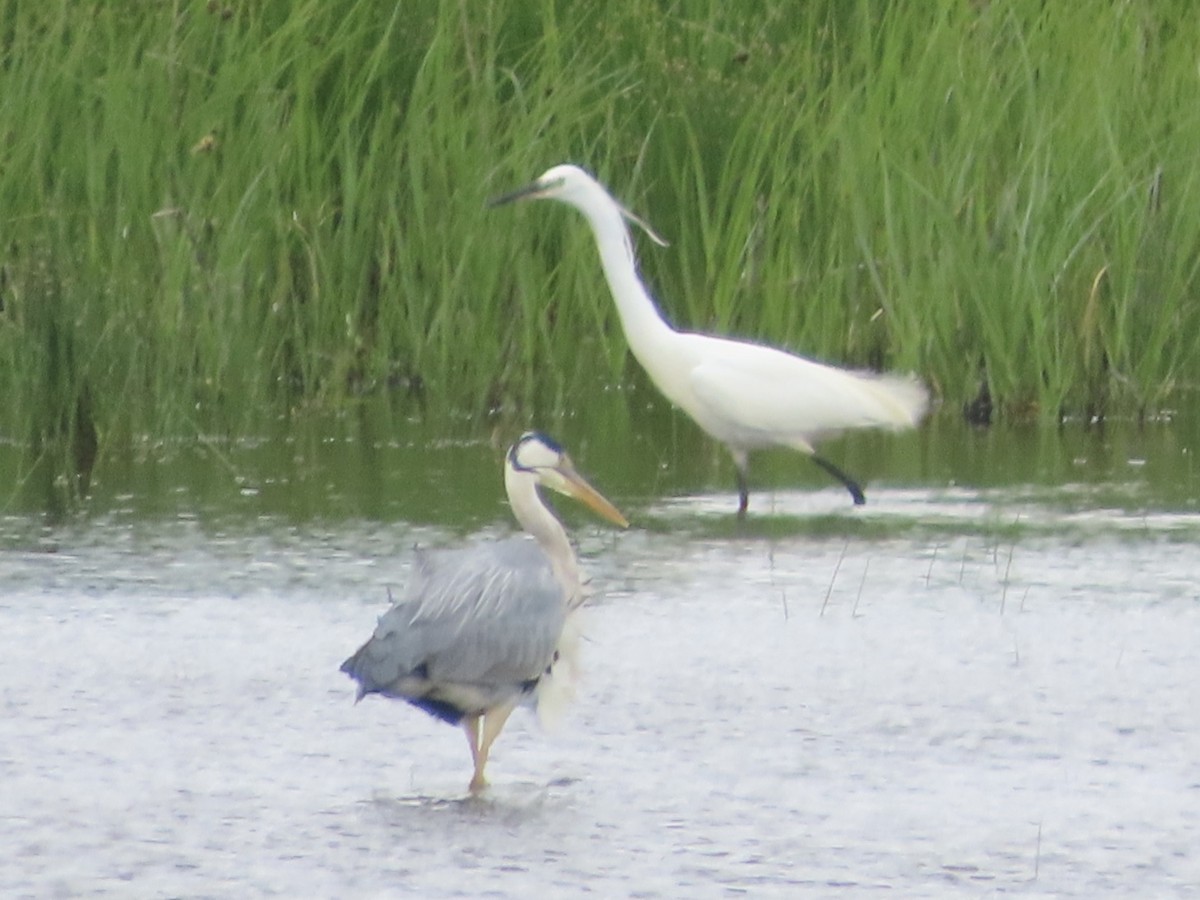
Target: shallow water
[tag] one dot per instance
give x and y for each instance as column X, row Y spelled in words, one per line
column 961, row 688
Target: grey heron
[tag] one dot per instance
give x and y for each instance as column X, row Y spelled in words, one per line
column 745, row 395
column 487, row 626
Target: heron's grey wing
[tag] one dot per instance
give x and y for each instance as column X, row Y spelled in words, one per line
column 494, row 612
column 486, row 615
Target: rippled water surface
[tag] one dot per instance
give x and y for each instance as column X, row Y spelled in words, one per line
column 952, row 691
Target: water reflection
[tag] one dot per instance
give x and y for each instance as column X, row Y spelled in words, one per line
column 944, row 691
column 380, row 465
column 768, row 710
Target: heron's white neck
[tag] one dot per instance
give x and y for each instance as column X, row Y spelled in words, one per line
column 535, row 517
column 644, row 326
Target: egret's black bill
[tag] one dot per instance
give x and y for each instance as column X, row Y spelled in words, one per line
column 539, row 188
column 526, row 191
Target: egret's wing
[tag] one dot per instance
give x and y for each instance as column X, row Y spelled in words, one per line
column 489, row 614
column 752, row 395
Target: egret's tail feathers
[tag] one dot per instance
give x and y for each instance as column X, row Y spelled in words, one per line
column 556, row 688
column 902, row 400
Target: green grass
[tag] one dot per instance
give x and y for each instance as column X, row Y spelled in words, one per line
column 214, row 215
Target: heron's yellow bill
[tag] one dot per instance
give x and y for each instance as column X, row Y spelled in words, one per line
column 573, row 485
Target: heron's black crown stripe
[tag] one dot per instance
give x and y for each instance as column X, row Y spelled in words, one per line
column 539, row 436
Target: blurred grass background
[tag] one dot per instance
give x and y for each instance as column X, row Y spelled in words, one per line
column 214, row 215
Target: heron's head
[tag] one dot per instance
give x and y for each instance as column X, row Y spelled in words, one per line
column 572, row 185
column 538, row 458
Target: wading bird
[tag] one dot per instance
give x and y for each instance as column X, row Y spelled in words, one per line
column 488, row 626
column 745, row 395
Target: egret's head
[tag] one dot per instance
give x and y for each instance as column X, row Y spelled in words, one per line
column 567, row 183
column 539, row 458
column 572, row 185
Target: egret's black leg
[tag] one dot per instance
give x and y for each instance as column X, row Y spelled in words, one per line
column 743, row 493
column 851, row 485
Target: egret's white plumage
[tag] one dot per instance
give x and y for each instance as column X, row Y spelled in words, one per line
column 486, row 627
column 745, row 395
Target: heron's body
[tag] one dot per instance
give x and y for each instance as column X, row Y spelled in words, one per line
column 486, row 627
column 477, row 630
column 746, row 395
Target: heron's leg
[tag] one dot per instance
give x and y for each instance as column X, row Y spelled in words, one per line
column 470, row 725
column 493, row 723
column 851, row 485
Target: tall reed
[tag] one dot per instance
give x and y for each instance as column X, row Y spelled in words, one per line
column 215, row 213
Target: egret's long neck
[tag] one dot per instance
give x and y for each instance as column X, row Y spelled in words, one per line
column 537, row 519
column 643, row 325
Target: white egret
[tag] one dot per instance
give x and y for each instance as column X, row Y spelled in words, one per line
column 488, row 626
column 746, row 395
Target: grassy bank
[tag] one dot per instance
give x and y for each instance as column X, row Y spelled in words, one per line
column 212, row 214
